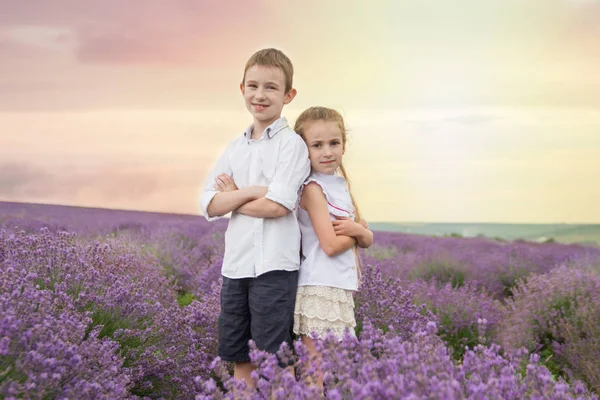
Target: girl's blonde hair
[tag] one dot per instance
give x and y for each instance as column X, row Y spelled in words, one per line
column 314, row 114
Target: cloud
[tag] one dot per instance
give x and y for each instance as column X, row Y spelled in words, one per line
column 183, row 32
column 13, row 88
column 185, row 53
column 23, row 180
column 428, row 124
column 110, row 184
column 9, row 48
column 464, row 119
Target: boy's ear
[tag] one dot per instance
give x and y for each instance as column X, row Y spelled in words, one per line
column 290, row 96
column 242, row 87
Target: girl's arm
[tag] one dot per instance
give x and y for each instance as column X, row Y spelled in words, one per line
column 314, row 201
column 364, row 238
column 358, row 230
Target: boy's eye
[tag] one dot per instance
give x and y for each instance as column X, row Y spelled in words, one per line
column 317, row 145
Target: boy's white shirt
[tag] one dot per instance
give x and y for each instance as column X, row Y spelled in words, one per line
column 279, row 160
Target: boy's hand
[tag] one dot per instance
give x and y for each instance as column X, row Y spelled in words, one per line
column 363, row 223
column 346, row 226
column 224, row 183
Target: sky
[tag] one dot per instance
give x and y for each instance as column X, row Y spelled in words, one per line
column 462, row 111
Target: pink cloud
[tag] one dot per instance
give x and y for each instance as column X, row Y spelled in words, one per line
column 18, row 179
column 113, row 185
column 185, row 32
column 10, row 49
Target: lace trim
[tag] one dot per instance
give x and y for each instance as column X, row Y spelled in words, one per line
column 329, row 293
column 307, row 326
column 314, row 308
column 320, row 309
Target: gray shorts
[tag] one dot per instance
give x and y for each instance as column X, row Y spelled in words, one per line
column 261, row 309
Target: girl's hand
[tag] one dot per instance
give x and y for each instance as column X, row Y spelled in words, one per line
column 363, row 223
column 224, row 183
column 346, row 226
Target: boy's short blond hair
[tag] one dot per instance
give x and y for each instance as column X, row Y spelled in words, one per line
column 273, row 58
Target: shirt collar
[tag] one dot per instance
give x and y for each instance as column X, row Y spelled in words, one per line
column 334, row 178
column 271, row 130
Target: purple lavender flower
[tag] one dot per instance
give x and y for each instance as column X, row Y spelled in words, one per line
column 89, row 309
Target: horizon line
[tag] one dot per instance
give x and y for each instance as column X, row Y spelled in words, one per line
column 371, row 223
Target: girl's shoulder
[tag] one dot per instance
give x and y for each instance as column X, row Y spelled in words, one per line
column 330, row 185
column 327, row 181
column 335, row 189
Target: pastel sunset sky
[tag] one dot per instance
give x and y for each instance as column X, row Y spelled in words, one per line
column 459, row 111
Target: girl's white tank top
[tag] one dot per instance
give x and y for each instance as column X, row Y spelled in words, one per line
column 316, row 267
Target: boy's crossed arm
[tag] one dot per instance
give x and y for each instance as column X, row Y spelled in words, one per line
column 263, row 208
column 273, row 201
column 228, row 201
column 256, row 206
column 221, row 197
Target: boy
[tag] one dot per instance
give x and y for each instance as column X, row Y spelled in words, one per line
column 257, row 179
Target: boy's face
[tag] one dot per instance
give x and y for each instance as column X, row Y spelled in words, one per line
column 325, row 146
column 264, row 93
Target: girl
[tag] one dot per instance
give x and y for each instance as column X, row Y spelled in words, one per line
column 331, row 229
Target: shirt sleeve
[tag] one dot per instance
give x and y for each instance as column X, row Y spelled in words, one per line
column 222, row 166
column 291, row 171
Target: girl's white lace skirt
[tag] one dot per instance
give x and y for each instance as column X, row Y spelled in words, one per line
column 320, row 309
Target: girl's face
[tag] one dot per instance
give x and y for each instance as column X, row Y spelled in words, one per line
column 325, row 146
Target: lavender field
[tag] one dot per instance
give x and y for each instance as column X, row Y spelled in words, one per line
column 100, row 304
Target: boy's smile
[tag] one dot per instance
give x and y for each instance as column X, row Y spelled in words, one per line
column 264, row 95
